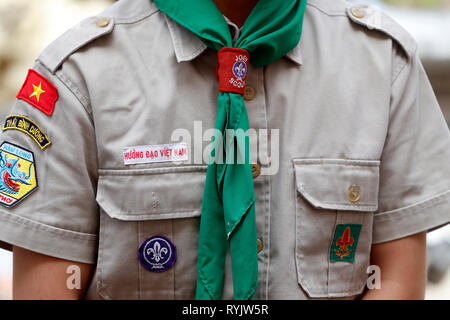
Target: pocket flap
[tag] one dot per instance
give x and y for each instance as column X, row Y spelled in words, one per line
column 338, row 184
column 152, row 194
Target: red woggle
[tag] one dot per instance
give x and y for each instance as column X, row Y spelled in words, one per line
column 232, row 69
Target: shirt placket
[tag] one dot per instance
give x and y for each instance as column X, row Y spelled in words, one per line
column 255, row 101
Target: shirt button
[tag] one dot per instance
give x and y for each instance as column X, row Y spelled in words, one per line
column 256, row 170
column 260, row 245
column 249, row 93
column 358, row 12
column 103, row 22
column 354, row 194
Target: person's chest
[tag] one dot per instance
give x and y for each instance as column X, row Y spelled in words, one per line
column 317, row 131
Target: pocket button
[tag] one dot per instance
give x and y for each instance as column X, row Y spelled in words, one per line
column 354, row 193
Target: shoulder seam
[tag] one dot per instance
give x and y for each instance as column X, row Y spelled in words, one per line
column 75, row 91
column 136, row 18
column 333, row 13
column 398, row 70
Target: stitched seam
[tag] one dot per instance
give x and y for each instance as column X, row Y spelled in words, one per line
column 57, row 253
column 77, row 93
column 150, row 171
column 330, row 245
column 138, row 266
column 429, row 220
column 70, row 89
column 172, row 271
column 47, row 228
column 398, row 71
column 421, row 204
column 195, row 53
column 336, row 165
column 136, row 18
column 144, row 214
column 344, row 206
column 267, row 184
column 346, row 294
column 100, row 281
column 331, row 13
column 336, row 162
column 339, row 205
column 178, row 46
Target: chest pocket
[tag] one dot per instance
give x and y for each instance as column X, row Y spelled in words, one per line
column 335, row 201
column 136, row 205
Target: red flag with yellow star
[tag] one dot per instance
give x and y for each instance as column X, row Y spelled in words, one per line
column 39, row 92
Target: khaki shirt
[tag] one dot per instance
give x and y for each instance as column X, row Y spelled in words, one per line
column 348, row 130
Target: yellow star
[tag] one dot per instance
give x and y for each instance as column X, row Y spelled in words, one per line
column 37, row 91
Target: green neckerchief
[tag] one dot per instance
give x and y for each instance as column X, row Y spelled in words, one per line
column 272, row 29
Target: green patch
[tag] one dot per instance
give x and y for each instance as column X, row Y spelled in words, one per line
column 344, row 242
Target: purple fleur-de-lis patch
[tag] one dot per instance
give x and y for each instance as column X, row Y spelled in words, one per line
column 157, row 254
column 240, row 70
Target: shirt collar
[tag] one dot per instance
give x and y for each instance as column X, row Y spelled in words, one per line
column 188, row 46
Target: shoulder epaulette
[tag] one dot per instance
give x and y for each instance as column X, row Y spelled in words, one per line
column 75, row 38
column 375, row 19
column 90, row 29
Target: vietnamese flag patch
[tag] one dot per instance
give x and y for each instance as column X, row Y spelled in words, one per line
column 39, row 92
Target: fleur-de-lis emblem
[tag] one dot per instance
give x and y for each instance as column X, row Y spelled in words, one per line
column 344, row 242
column 157, row 251
column 240, row 70
column 157, row 254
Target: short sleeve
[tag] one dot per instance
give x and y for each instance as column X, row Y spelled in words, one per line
column 48, row 170
column 414, row 190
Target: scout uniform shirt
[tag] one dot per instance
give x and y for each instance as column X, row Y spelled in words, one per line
column 100, row 154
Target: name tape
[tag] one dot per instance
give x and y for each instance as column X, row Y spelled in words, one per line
column 155, row 153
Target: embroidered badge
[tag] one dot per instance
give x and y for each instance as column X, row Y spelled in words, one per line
column 157, row 254
column 39, row 92
column 155, row 153
column 24, row 124
column 232, row 69
column 17, row 174
column 240, row 68
column 344, row 242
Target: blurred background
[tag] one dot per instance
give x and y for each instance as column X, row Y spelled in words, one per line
column 27, row 27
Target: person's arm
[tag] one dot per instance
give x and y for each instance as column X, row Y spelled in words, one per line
column 37, row 276
column 403, row 268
